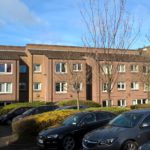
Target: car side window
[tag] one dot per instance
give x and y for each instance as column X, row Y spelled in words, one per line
column 146, row 122
column 89, row 119
column 101, row 116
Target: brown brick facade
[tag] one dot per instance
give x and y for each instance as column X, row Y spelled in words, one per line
column 44, row 83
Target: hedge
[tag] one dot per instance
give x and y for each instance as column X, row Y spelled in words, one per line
column 87, row 103
column 140, row 106
column 30, row 126
column 7, row 108
column 116, row 110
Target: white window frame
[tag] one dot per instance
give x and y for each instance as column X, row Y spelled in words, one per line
column 121, row 68
column 77, row 67
column 24, row 85
column 135, row 86
column 62, row 89
column 121, row 86
column 122, row 102
column 105, row 68
column 60, row 67
column 134, row 68
column 107, row 103
column 34, row 68
column 147, row 69
column 104, row 87
column 39, row 86
column 5, row 68
column 5, row 88
column 146, row 87
column 135, row 101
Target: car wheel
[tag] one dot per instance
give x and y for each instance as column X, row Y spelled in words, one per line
column 68, row 143
column 130, row 145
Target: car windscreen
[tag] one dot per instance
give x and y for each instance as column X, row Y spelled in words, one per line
column 126, row 120
column 73, row 120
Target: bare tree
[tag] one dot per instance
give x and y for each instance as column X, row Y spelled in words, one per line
column 74, row 73
column 110, row 33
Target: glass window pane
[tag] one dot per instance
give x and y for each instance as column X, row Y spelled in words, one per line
column 2, row 67
column 23, row 69
column 57, row 87
column 9, row 69
column 8, row 87
column 57, row 67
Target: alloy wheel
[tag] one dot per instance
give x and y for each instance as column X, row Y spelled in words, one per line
column 68, row 143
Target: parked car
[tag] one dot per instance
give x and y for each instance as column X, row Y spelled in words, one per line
column 7, row 118
column 35, row 110
column 68, row 135
column 72, row 107
column 125, row 132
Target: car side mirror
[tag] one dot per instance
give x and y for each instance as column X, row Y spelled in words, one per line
column 144, row 125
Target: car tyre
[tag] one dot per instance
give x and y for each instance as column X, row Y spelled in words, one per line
column 130, row 145
column 68, row 143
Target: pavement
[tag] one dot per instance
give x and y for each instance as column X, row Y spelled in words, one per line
column 10, row 141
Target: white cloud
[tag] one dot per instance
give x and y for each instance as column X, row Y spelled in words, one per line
column 15, row 11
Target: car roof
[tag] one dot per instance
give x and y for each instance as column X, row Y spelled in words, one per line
column 140, row 111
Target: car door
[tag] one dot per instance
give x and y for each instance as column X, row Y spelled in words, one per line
column 144, row 131
column 85, row 125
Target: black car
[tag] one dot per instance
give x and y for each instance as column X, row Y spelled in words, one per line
column 71, row 107
column 36, row 110
column 7, row 118
column 69, row 134
column 125, row 132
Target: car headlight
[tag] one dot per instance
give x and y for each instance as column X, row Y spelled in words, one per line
column 106, row 141
column 54, row 136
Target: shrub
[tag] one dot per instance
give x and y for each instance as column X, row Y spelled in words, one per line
column 140, row 106
column 116, row 110
column 7, row 108
column 31, row 125
column 81, row 102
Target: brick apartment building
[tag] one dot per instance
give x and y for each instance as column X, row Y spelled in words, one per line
column 43, row 73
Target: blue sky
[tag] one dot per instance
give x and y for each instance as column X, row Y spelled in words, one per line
column 56, row 22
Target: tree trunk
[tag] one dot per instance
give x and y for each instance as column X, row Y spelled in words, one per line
column 78, row 106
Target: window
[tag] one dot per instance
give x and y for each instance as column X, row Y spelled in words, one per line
column 146, row 87
column 88, row 119
column 37, row 68
column 61, row 87
column 5, row 87
column 77, row 86
column 134, row 68
column 5, row 68
column 122, row 102
column 121, row 86
column 104, row 87
column 121, row 68
column 146, row 122
column 139, row 101
column 106, row 103
column 23, row 68
column 134, row 85
column 61, row 68
column 146, row 69
column 77, row 67
column 107, row 69
column 36, row 86
column 22, row 86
